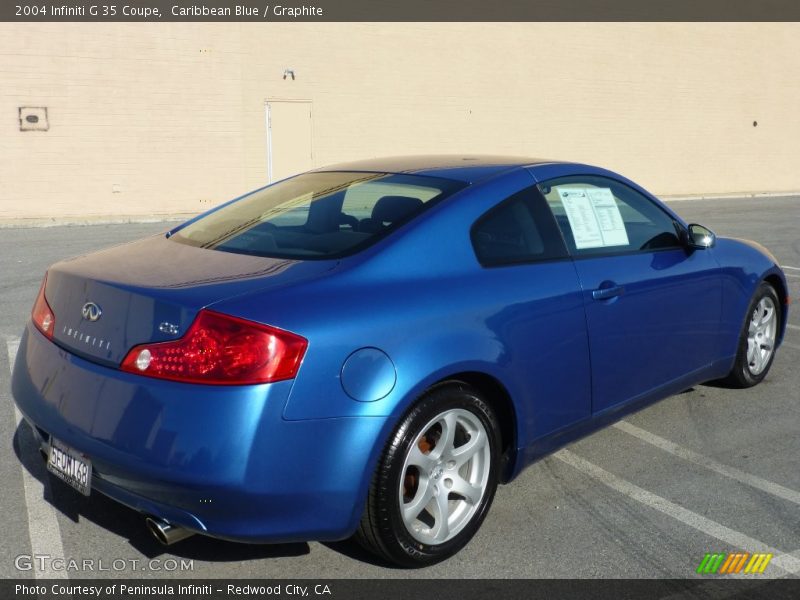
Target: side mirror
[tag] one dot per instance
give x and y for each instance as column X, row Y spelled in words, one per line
column 700, row 237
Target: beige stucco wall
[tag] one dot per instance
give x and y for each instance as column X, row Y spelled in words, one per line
column 173, row 114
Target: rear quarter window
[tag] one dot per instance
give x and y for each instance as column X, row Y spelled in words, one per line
column 519, row 229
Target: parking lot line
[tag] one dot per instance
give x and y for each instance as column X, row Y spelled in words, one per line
column 790, row 268
column 795, row 327
column 736, row 539
column 45, row 534
column 709, row 463
column 781, row 560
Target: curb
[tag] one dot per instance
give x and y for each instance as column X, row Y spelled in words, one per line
column 740, row 196
column 31, row 223
column 37, row 222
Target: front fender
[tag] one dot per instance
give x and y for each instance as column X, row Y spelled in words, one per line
column 744, row 264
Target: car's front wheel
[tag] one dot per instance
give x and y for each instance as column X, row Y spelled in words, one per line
column 436, row 479
column 757, row 340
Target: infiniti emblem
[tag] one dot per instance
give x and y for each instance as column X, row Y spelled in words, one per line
column 91, row 311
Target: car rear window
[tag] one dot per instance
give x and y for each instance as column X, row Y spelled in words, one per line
column 317, row 215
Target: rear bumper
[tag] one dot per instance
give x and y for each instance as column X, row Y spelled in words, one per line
column 216, row 460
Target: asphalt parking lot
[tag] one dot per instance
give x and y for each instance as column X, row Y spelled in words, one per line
column 708, row 470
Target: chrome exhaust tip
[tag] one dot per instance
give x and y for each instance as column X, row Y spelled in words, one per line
column 165, row 533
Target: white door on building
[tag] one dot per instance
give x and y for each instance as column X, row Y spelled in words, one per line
column 289, row 148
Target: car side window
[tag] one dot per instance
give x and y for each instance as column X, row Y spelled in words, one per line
column 518, row 230
column 599, row 215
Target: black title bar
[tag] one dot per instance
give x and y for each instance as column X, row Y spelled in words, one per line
column 397, row 10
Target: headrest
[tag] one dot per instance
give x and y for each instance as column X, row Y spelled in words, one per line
column 389, row 209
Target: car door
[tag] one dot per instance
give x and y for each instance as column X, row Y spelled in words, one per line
column 652, row 304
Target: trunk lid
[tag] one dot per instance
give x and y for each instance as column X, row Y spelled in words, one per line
column 151, row 290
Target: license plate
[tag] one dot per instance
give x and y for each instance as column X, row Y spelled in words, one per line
column 70, row 467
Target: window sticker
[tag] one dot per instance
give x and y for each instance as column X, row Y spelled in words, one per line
column 594, row 217
column 585, row 228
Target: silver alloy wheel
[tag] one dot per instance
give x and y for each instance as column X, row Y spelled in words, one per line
column 761, row 335
column 445, row 475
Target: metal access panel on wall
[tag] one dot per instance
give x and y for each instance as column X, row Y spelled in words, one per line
column 289, row 134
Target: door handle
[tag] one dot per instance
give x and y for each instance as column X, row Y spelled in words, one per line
column 609, row 292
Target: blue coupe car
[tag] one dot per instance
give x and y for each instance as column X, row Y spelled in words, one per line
column 369, row 349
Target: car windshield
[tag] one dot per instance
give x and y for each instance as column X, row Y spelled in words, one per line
column 316, row 215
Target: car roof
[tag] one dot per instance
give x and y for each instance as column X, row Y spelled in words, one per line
column 460, row 167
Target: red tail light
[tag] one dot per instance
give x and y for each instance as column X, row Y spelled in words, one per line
column 222, row 350
column 42, row 314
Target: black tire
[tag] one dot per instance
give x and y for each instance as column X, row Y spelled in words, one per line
column 383, row 530
column 742, row 375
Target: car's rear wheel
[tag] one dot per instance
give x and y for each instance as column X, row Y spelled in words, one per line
column 757, row 340
column 436, row 479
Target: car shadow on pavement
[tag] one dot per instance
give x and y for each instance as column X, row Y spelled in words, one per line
column 129, row 524
column 352, row 549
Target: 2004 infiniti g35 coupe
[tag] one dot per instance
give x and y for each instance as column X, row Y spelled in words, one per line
column 370, row 348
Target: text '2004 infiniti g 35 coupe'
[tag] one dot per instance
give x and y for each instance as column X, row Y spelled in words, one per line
column 369, row 349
